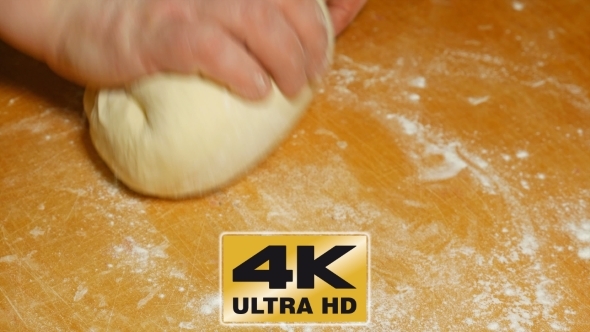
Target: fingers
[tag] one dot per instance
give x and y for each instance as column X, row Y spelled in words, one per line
column 270, row 39
column 308, row 21
column 243, row 44
column 209, row 49
column 286, row 37
column 343, row 12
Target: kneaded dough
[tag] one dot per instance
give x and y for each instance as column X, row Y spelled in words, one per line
column 174, row 136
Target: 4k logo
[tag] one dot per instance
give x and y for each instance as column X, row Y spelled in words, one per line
column 295, row 278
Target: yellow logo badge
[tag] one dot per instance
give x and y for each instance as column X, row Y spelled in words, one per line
column 294, row 278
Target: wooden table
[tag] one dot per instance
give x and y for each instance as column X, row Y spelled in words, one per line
column 455, row 133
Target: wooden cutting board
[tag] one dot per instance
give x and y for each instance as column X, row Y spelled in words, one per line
column 455, row 133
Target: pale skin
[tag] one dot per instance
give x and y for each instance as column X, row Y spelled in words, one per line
column 242, row 44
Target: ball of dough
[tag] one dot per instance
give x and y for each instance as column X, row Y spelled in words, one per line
column 174, row 136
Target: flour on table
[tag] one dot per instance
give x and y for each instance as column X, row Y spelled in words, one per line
column 12, row 101
column 507, row 295
column 435, row 159
column 8, row 259
column 418, row 82
column 581, row 232
column 478, row 100
column 522, row 154
column 188, row 325
column 80, row 292
column 517, row 5
column 35, row 232
column 514, row 285
column 150, row 295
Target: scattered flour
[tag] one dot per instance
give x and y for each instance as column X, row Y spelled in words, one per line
column 515, row 287
column 493, row 326
column 8, row 259
column 517, row 5
column 210, row 305
column 414, row 97
column 517, row 290
column 326, row 132
column 478, row 100
column 409, row 127
column 435, row 159
column 12, row 101
column 187, row 326
column 139, row 257
column 581, row 232
column 522, row 154
column 150, row 295
column 37, row 231
column 584, row 253
column 178, row 274
column 80, row 292
column 528, row 245
column 342, row 144
column 418, row 82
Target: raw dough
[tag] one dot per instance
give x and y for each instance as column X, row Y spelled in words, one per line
column 174, row 136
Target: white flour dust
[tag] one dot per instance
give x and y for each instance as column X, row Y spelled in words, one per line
column 435, row 159
column 517, row 290
column 80, row 292
column 581, row 231
column 478, row 100
column 518, row 6
column 122, row 249
column 514, row 285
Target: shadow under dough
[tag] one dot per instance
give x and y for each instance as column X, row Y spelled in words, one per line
column 20, row 72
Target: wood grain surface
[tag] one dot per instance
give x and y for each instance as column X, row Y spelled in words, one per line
column 455, row 133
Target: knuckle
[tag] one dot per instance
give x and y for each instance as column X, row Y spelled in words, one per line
column 262, row 14
column 210, row 47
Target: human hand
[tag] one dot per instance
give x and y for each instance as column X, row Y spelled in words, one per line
column 239, row 43
column 343, row 12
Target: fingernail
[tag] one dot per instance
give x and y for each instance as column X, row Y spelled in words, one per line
column 258, row 88
column 262, row 84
